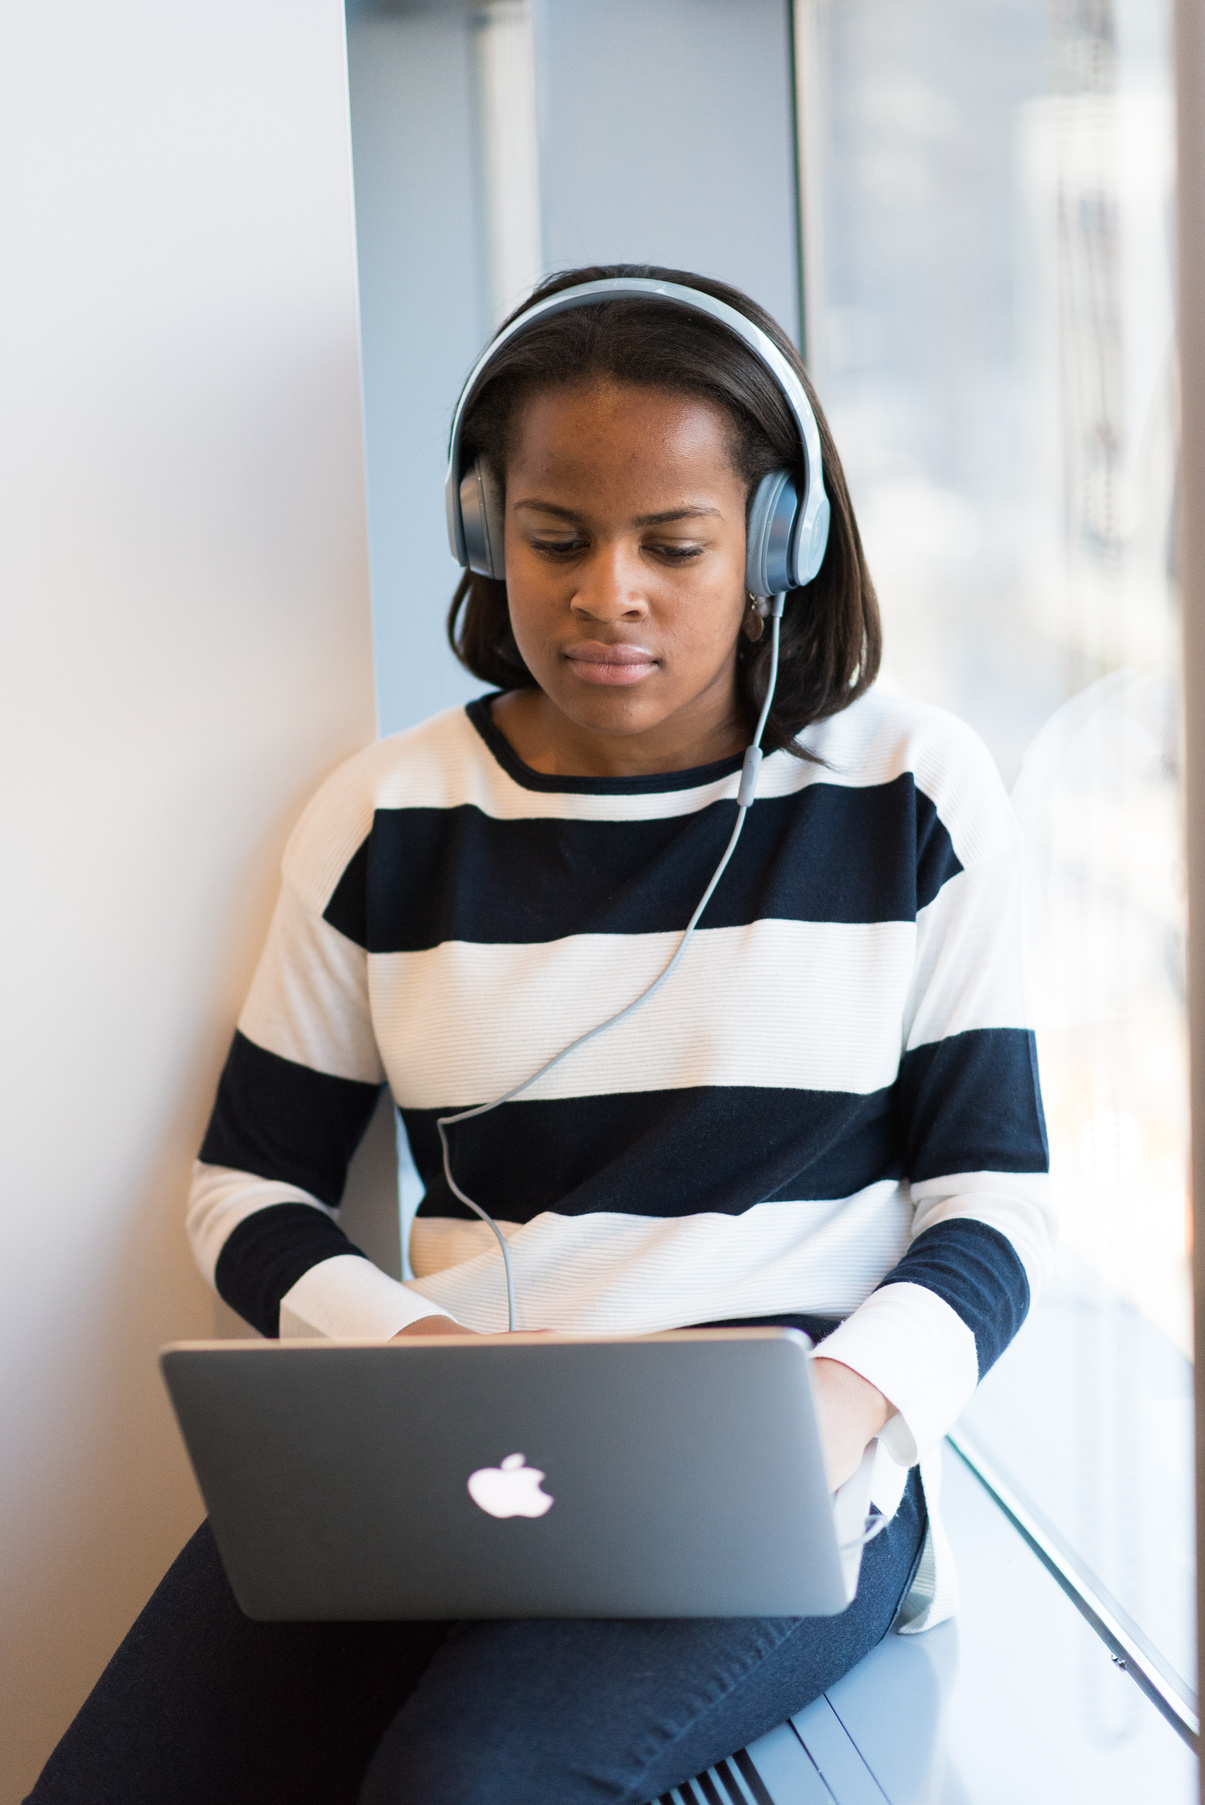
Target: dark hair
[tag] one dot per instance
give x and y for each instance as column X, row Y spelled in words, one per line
column 831, row 636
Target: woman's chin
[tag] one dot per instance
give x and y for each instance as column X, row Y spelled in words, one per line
column 607, row 710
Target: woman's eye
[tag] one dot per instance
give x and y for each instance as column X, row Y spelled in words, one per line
column 558, row 548
column 671, row 552
column 676, row 553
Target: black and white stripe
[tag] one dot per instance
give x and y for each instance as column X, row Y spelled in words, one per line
column 832, row 1108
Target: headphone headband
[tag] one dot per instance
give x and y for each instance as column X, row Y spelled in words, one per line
column 810, row 528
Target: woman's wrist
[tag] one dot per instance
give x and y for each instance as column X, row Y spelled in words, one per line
column 850, row 1412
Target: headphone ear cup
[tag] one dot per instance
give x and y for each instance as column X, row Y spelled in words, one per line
column 481, row 511
column 806, row 558
column 772, row 516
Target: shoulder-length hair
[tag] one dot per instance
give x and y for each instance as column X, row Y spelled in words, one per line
column 831, row 636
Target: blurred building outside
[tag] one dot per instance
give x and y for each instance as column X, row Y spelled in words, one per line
column 988, row 194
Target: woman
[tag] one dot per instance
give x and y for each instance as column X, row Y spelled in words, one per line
column 828, row 1115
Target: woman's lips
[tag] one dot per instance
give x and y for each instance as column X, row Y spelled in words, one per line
column 595, row 662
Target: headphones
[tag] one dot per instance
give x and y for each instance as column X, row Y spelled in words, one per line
column 786, row 533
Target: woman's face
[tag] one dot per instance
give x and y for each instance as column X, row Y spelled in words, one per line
column 625, row 561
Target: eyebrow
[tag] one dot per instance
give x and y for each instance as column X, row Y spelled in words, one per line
column 662, row 519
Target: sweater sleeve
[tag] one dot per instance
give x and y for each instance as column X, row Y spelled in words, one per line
column 297, row 1092
column 983, row 1228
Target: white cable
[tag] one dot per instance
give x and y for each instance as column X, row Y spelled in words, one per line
column 746, row 791
column 874, row 1526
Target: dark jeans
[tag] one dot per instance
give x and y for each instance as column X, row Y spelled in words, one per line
column 201, row 1706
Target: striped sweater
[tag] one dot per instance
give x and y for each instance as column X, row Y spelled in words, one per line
column 831, row 1110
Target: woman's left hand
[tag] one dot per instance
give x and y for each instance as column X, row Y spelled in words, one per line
column 850, row 1411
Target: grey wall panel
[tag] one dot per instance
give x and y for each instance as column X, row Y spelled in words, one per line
column 423, row 318
column 666, row 137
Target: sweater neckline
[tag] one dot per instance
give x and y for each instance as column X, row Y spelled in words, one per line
column 657, row 782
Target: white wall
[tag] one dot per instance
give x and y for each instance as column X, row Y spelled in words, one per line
column 184, row 649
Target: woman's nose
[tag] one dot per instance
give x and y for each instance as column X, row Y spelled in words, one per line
column 610, row 587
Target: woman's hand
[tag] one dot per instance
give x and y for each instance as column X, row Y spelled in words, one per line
column 432, row 1325
column 443, row 1325
column 850, row 1411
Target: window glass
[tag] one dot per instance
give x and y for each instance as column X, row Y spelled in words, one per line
column 988, row 208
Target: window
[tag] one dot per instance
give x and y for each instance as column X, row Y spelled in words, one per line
column 988, row 256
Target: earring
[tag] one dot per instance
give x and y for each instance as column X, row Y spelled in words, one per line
column 754, row 623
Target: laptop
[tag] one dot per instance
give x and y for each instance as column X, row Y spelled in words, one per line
column 673, row 1475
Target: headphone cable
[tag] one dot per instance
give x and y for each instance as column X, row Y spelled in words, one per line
column 745, row 794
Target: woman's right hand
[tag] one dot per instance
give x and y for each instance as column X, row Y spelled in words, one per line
column 443, row 1325
column 432, row 1325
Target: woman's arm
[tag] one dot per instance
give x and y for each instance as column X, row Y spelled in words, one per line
column 970, row 1108
column 297, row 1092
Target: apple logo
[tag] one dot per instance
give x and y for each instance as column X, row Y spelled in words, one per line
column 510, row 1490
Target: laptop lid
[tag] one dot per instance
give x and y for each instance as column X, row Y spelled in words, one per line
column 674, row 1475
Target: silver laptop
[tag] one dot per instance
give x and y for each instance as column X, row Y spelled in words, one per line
column 674, row 1475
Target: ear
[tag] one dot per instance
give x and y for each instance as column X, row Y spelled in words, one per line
column 481, row 510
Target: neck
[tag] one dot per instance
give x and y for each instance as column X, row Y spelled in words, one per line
column 550, row 742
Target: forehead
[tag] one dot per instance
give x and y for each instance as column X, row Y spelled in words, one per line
column 604, row 422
